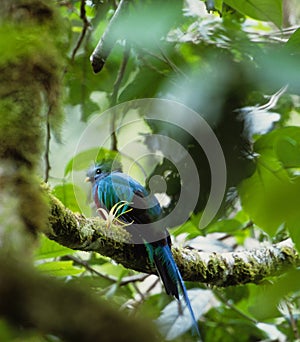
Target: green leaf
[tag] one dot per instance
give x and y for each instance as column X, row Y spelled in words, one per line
column 218, row 5
column 153, row 306
column 288, row 151
column 265, row 10
column 226, row 226
column 293, row 44
column 81, row 83
column 59, row 268
column 83, row 159
column 188, row 227
column 225, row 324
column 118, row 271
column 93, row 282
column 236, row 293
column 173, row 324
column 264, row 300
column 271, row 195
column 50, row 249
column 270, row 200
column 70, row 195
column 145, row 84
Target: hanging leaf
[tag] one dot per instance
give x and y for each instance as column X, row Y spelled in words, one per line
column 172, row 324
column 288, row 151
column 72, row 196
column 50, row 249
column 265, row 10
column 293, row 44
column 59, row 268
column 83, row 159
column 264, row 301
column 271, row 195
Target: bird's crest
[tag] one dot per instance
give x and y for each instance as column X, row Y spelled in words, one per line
column 108, row 165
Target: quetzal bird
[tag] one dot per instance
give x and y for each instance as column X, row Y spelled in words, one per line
column 140, row 211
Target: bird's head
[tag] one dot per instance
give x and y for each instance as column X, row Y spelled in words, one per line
column 101, row 169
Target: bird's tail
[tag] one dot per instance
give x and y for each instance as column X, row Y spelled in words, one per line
column 169, row 273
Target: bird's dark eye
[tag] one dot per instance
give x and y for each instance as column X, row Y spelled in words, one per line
column 98, row 171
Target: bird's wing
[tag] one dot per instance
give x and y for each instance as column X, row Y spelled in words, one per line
column 113, row 190
column 117, row 186
column 142, row 211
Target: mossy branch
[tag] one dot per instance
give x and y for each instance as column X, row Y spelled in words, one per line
column 220, row 269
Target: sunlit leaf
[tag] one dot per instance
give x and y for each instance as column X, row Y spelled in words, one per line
column 173, row 324
column 288, row 151
column 154, row 304
column 264, row 300
column 145, row 84
column 225, row 324
column 70, row 195
column 266, row 10
column 93, row 282
column 293, row 44
column 270, row 199
column 83, row 159
column 115, row 270
column 50, row 249
column 226, row 226
column 59, row 268
column 188, row 227
column 271, row 195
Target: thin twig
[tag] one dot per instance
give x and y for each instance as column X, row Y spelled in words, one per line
column 151, row 67
column 123, row 282
column 139, row 292
column 152, row 286
column 86, row 25
column 233, row 307
column 134, row 279
column 293, row 322
column 163, row 58
column 47, row 147
column 64, row 3
column 120, row 75
column 172, row 65
column 114, row 96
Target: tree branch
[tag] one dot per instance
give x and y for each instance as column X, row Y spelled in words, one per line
column 114, row 96
column 108, row 39
column 86, row 25
column 47, row 147
column 221, row 269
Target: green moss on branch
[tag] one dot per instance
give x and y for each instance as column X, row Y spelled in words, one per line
column 220, row 269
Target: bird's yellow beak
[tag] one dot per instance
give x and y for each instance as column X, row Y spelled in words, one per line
column 88, row 179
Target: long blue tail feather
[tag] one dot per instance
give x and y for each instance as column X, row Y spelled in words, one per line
column 169, row 273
